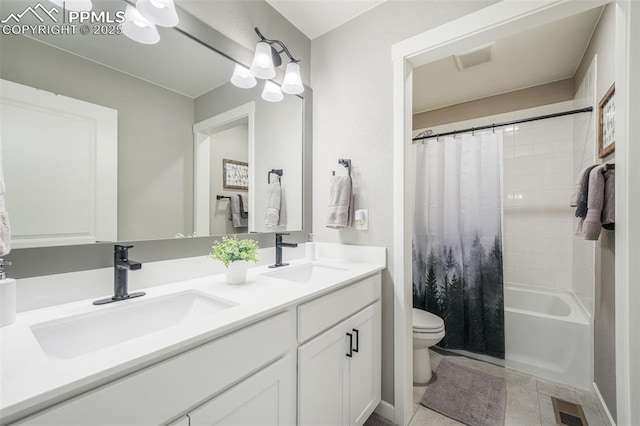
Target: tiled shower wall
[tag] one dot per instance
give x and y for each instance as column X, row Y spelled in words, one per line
column 538, row 181
column 584, row 154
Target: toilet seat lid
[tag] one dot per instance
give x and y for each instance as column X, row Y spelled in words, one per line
column 423, row 320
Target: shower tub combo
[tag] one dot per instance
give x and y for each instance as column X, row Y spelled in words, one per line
column 547, row 334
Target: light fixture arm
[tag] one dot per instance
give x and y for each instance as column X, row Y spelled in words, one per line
column 279, row 43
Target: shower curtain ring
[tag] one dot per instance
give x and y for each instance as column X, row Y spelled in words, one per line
column 493, row 127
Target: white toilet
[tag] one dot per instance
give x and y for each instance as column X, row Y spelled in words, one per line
column 428, row 330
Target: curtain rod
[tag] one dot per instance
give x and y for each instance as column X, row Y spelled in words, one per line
column 425, row 135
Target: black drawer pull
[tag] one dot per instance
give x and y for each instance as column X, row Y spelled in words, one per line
column 350, row 354
column 357, row 339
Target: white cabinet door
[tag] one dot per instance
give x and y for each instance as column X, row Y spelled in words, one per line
column 264, row 399
column 364, row 367
column 323, row 378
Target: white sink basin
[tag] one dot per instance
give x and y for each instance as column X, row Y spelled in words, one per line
column 77, row 335
column 307, row 273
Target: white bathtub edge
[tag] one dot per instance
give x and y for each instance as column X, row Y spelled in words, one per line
column 602, row 406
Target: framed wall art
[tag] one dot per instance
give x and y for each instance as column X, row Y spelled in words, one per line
column 235, row 174
column 606, row 123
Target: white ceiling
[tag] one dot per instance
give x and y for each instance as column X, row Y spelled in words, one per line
column 548, row 53
column 316, row 17
column 176, row 62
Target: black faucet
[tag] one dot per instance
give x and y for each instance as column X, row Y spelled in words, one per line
column 279, row 245
column 121, row 264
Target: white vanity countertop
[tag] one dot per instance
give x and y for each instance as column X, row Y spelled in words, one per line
column 30, row 379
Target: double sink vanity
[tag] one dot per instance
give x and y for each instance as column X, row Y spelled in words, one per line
column 293, row 345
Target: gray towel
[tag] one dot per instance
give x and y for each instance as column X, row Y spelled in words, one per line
column 340, row 202
column 581, row 210
column 592, row 221
column 235, row 215
column 577, row 187
column 608, row 218
column 275, row 213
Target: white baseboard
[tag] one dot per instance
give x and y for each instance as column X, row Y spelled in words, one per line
column 386, row 410
column 603, row 407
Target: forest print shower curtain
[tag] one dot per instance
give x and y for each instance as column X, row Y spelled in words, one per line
column 457, row 240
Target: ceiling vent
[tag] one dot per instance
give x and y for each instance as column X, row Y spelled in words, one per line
column 475, row 57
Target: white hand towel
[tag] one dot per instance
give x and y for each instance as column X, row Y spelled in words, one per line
column 282, row 220
column 5, row 230
column 273, row 204
column 340, row 202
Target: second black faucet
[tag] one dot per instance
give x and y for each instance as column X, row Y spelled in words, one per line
column 279, row 245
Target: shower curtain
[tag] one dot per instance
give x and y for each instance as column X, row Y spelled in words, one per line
column 457, row 240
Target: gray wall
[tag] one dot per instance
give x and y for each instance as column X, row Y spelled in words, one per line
column 543, row 94
column 603, row 44
column 155, row 137
column 351, row 74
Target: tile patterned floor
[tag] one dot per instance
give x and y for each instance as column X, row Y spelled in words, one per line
column 528, row 398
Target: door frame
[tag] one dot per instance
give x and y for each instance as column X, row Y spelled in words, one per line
column 202, row 132
column 500, row 20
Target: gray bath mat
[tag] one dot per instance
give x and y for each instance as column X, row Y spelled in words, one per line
column 466, row 395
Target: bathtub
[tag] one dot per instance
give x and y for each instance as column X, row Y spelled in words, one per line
column 547, row 334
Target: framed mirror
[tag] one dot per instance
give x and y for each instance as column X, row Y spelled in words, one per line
column 105, row 139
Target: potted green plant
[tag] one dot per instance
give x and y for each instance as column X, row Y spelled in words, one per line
column 235, row 255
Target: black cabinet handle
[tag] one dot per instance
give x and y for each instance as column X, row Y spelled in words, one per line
column 350, row 354
column 357, row 339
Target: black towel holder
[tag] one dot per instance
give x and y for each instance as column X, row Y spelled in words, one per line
column 277, row 172
column 346, row 162
column 222, row 197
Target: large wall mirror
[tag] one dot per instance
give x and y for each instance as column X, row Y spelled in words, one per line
column 105, row 139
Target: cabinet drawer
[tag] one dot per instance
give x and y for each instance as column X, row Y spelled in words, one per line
column 318, row 315
column 156, row 394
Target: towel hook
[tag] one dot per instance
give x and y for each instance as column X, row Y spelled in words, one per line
column 277, row 172
column 346, row 162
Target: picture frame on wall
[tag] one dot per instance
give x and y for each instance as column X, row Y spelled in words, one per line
column 235, row 174
column 606, row 123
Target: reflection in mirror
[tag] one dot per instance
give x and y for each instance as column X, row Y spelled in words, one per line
column 103, row 140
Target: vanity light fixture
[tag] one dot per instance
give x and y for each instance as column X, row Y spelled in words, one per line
column 265, row 61
column 272, row 92
column 75, row 5
column 243, row 78
column 139, row 28
column 160, row 12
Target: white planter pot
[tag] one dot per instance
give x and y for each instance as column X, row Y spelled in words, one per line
column 237, row 272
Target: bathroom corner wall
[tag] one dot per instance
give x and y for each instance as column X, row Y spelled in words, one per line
column 351, row 75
